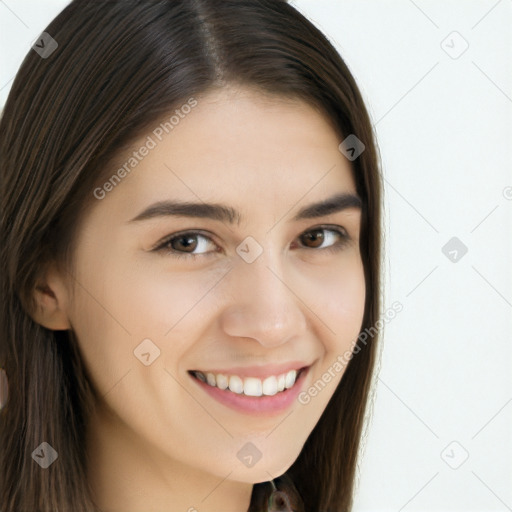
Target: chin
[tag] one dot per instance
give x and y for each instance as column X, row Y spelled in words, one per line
column 261, row 473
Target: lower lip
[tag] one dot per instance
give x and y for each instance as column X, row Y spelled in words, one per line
column 259, row 405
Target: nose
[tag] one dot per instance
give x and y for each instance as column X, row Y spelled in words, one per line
column 263, row 304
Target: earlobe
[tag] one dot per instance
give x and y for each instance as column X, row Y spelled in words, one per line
column 50, row 300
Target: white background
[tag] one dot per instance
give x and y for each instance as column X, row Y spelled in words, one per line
column 444, row 127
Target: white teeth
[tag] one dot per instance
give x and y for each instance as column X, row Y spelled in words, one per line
column 235, row 384
column 270, row 386
column 210, row 378
column 290, row 378
column 250, row 386
column 222, row 381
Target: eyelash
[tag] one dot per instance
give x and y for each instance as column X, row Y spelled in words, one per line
column 163, row 247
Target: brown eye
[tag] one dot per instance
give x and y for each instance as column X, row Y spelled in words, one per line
column 315, row 238
column 318, row 237
column 184, row 245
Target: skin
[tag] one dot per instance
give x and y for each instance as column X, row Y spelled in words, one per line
column 156, row 441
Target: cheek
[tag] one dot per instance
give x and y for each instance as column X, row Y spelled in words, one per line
column 349, row 307
column 337, row 297
column 165, row 303
column 118, row 305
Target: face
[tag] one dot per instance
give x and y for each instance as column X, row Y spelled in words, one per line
column 249, row 297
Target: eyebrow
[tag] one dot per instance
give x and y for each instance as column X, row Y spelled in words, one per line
column 224, row 213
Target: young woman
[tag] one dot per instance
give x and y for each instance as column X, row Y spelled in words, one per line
column 191, row 209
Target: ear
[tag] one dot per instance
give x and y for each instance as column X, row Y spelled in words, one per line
column 51, row 298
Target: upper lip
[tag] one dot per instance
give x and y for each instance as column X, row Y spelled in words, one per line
column 261, row 372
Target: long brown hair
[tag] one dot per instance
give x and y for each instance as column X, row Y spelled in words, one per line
column 120, row 66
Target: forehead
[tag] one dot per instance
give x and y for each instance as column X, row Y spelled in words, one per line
column 235, row 145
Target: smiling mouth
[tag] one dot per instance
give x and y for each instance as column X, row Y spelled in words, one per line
column 250, row 386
